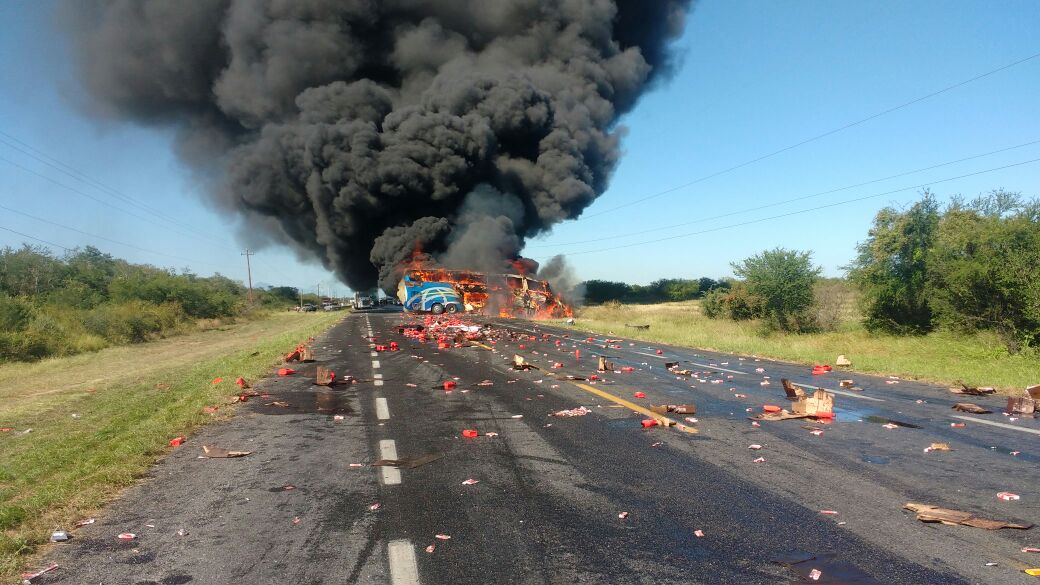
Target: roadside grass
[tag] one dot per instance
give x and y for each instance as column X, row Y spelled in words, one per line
column 128, row 403
column 942, row 357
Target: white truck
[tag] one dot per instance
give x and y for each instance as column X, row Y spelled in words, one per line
column 363, row 301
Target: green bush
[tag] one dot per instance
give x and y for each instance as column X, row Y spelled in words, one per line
column 891, row 268
column 132, row 321
column 742, row 305
column 714, row 304
column 984, row 269
column 783, row 280
column 15, row 313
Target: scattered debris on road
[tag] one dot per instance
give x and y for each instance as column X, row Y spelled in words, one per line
column 843, row 362
column 324, row 377
column 819, row 405
column 938, row 447
column 579, row 411
column 28, row 578
column 972, row 390
column 970, row 407
column 408, row 462
column 519, row 363
column 674, row 408
column 931, row 514
column 220, row 453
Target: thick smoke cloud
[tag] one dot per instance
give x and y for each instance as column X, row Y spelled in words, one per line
column 358, row 130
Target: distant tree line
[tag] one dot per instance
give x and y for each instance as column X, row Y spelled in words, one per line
column 659, row 291
column 87, row 300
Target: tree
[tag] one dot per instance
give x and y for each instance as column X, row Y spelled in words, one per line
column 891, row 268
column 601, row 291
column 784, row 280
column 983, row 269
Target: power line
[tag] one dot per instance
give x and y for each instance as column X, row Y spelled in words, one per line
column 88, row 196
column 816, row 137
column 786, row 201
column 78, row 175
column 809, row 210
column 104, row 238
column 6, row 229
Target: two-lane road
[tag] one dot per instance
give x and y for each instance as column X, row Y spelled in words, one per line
column 586, row 499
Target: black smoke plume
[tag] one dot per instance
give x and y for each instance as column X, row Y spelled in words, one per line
column 357, row 130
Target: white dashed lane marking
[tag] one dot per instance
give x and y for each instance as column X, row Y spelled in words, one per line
column 375, row 364
column 403, row 570
column 382, row 409
column 996, row 424
column 389, row 475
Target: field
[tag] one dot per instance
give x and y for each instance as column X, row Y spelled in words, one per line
column 84, row 427
column 942, row 357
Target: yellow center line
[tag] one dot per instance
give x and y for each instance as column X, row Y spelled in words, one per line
column 663, row 420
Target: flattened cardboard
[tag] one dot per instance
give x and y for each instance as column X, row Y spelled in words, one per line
column 930, row 513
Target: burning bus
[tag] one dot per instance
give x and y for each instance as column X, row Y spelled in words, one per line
column 439, row 290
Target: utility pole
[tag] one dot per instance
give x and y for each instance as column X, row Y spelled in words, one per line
column 249, row 272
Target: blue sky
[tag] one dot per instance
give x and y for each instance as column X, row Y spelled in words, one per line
column 756, row 77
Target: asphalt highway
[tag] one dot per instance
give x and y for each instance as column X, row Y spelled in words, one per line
column 597, row 498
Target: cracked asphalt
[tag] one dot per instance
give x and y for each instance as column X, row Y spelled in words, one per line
column 306, row 506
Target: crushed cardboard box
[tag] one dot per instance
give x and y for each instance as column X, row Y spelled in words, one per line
column 820, row 404
column 325, row 377
column 971, row 408
column 1028, row 404
column 930, row 513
